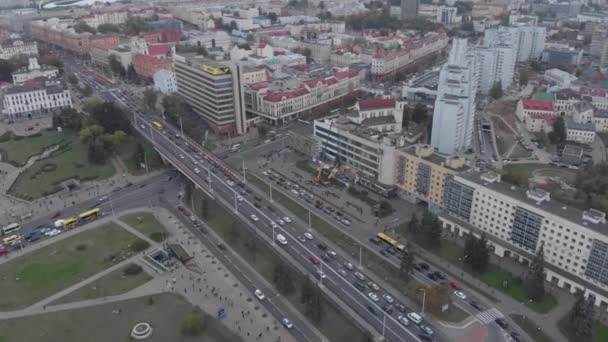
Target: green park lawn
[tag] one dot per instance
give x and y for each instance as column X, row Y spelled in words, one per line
column 600, row 330
column 45, row 176
column 17, row 150
column 36, row 275
column 114, row 283
column 127, row 150
column 101, row 323
column 147, row 224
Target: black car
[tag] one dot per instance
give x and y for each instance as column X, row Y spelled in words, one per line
column 418, row 268
column 360, row 286
column 221, row 246
column 502, row 323
column 440, row 275
column 322, row 247
column 476, row 305
column 383, row 252
column 431, row 276
column 425, row 337
column 372, row 309
column 257, row 198
column 391, row 250
column 257, row 205
column 375, row 240
column 517, row 337
column 424, row 266
column 270, row 208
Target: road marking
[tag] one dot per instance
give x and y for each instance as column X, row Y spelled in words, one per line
column 489, row 316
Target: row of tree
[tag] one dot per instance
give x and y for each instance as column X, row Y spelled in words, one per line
column 426, row 231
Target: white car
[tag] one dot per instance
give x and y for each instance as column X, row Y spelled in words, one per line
column 254, row 218
column 321, row 274
column 460, row 295
column 287, row 219
column 197, row 170
column 349, row 266
column 239, row 198
column 287, row 323
column 282, row 240
column 373, row 286
column 274, row 225
column 295, row 192
column 143, row 126
column 332, row 254
column 258, row 293
column 181, row 156
column 281, row 222
column 373, row 296
column 308, row 236
column 388, row 298
column 403, row 320
column 230, row 183
column 359, row 276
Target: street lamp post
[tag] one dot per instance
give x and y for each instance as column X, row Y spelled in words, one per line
column 270, row 187
column 383, row 324
column 423, row 300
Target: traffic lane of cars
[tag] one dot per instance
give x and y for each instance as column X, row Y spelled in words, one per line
column 253, row 210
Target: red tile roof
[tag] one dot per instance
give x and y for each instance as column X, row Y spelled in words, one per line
column 594, row 91
column 547, row 118
column 537, row 104
column 376, row 104
column 159, row 49
column 277, row 97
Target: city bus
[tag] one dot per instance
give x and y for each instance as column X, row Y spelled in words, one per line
column 70, row 222
column 158, row 125
column 12, row 240
column 13, row 227
column 90, row 214
column 391, row 241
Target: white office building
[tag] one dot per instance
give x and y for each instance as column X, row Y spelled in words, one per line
column 529, row 41
column 495, row 64
column 164, row 81
column 34, row 70
column 453, row 118
column 35, row 98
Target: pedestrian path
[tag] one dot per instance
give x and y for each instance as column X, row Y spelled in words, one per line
column 489, row 316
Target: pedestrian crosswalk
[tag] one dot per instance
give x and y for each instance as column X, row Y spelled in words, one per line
column 489, row 316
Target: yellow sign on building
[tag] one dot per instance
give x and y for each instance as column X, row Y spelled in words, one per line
column 215, row 70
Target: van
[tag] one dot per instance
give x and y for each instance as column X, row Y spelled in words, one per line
column 235, row 147
column 282, row 240
column 414, row 317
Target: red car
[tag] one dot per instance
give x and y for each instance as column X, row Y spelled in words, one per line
column 314, row 260
column 454, row 285
column 3, row 251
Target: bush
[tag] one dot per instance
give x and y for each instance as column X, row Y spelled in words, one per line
column 81, row 247
column 157, row 236
column 79, row 165
column 132, row 269
column 5, row 137
column 139, row 245
column 193, row 324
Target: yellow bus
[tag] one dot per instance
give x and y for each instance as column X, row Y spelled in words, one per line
column 158, row 125
column 91, row 214
column 12, row 240
column 70, row 222
column 391, row 241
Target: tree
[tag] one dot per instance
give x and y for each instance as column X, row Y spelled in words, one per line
column 496, row 90
column 431, row 230
column 108, row 28
column 273, row 17
column 479, row 253
column 282, row 279
column 115, row 66
column 407, row 117
column 89, row 134
column 81, row 27
column 205, row 209
column 134, row 25
column 193, row 324
column 307, row 290
column 523, row 77
column 407, row 263
column 68, row 118
column 232, row 26
column 73, row 80
column 558, row 135
column 534, row 283
column 582, row 319
column 112, row 118
column 314, row 307
column 419, row 113
column 139, row 154
column 263, row 130
column 86, row 90
column 6, row 69
column 150, row 98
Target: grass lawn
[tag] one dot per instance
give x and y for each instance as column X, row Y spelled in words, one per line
column 45, row 176
column 334, row 325
column 495, row 278
column 114, row 283
column 36, row 275
column 371, row 260
column 127, row 150
column 600, row 331
column 164, row 312
column 18, row 151
column 147, row 224
column 566, row 175
column 530, row 328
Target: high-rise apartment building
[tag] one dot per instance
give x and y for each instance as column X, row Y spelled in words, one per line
column 599, row 37
column 529, row 41
column 409, row 8
column 495, row 64
column 453, row 118
column 214, row 91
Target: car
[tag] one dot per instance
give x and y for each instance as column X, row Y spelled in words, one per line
column 440, row 275
column 332, row 254
column 287, row 323
column 431, row 276
column 383, row 252
column 388, row 298
column 403, row 320
column 287, row 219
column 428, row 330
column 417, row 268
column 301, row 238
column 258, row 293
column 345, row 222
column 373, row 296
column 373, row 286
column 181, row 156
column 342, row 272
column 3, row 251
column 314, row 260
column 349, row 266
column 360, row 286
column 254, row 218
column 424, row 266
column 359, row 276
column 230, row 183
column 321, row 274
column 460, row 295
column 391, row 250
column 281, row 222
column 239, row 198
column 414, row 317
column 454, row 285
column 372, row 309
column 502, row 323
column 308, row 236
column 321, row 246
column 295, row 192
column 55, row 232
column 257, row 205
column 425, row 337
column 282, row 240
column 476, row 305
column 221, row 246
column 387, row 308
column 517, row 337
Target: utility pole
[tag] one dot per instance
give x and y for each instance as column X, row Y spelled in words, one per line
column 181, row 126
column 423, row 300
column 360, row 256
column 244, row 175
column 309, row 219
column 383, row 324
column 270, row 186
